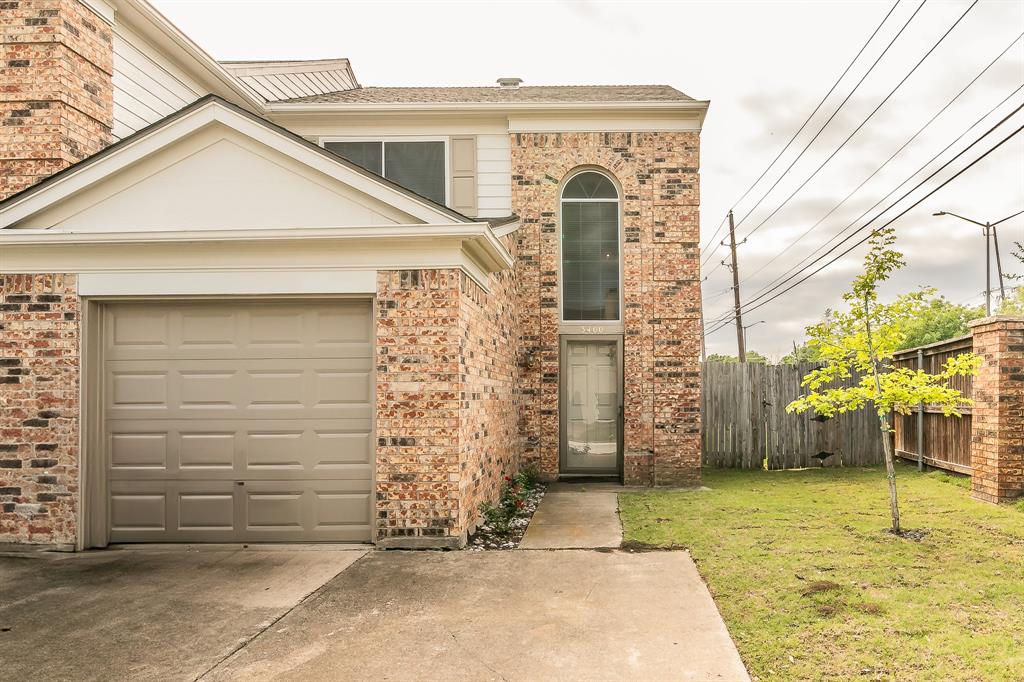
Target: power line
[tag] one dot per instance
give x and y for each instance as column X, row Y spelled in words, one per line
column 823, row 99
column 797, row 267
column 834, row 113
column 901, row 214
column 905, row 195
column 886, row 162
column 865, row 121
column 910, row 177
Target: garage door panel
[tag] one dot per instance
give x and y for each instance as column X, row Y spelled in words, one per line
column 196, row 330
column 333, row 509
column 206, row 511
column 138, row 450
column 279, row 511
column 136, row 509
column 240, row 449
column 235, row 422
column 205, row 450
column 138, row 389
column 254, row 389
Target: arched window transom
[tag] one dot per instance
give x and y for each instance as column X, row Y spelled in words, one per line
column 590, row 249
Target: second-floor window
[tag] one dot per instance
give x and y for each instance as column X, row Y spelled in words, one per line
column 590, row 249
column 416, row 165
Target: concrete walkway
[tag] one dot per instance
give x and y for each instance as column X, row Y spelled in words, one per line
column 575, row 516
column 513, row 616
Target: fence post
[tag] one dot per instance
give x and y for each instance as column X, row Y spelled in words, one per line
column 920, row 418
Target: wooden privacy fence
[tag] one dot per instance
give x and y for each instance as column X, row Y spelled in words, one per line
column 944, row 442
column 745, row 422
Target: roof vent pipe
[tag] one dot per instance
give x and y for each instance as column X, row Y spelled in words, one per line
column 509, row 82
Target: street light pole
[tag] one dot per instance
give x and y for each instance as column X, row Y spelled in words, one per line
column 745, row 328
column 990, row 235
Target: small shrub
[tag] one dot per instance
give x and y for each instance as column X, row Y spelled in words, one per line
column 530, row 476
column 514, row 493
column 496, row 517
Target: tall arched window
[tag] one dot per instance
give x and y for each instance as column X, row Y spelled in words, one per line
column 590, row 248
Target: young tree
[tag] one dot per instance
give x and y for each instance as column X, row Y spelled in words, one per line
column 863, row 340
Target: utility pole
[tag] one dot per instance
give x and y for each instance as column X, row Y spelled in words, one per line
column 736, row 291
column 990, row 236
column 999, row 264
column 988, row 270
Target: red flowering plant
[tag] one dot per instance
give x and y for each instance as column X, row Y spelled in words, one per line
column 515, row 491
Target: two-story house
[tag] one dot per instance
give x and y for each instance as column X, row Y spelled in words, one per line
column 258, row 301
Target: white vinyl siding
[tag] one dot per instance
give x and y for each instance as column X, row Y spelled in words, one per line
column 146, row 87
column 494, row 176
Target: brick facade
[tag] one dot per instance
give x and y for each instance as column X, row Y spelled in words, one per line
column 39, row 370
column 56, row 99
column 467, row 376
column 997, row 422
column 658, row 174
column 490, row 445
column 447, row 402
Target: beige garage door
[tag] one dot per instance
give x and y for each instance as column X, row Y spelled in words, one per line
column 238, row 422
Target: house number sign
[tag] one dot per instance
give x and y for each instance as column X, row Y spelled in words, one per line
column 592, row 330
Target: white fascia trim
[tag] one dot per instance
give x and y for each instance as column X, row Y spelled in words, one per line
column 168, row 38
column 214, row 112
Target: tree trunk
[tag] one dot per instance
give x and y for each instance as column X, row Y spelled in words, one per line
column 890, row 471
column 890, row 466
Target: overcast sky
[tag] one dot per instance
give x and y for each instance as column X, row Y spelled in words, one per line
column 764, row 66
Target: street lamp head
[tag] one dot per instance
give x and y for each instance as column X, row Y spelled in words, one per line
column 939, row 213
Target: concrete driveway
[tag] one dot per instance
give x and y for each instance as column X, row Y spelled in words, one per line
column 241, row 615
column 153, row 614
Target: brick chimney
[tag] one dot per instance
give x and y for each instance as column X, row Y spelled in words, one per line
column 56, row 91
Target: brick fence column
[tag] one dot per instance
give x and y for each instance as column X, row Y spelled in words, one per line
column 997, row 424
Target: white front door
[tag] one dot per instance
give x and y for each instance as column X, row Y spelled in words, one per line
column 591, row 396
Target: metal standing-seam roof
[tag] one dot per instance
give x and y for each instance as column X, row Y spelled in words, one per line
column 538, row 94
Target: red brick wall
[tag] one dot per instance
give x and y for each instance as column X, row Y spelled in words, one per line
column 56, row 97
column 418, row 367
column 997, row 421
column 447, row 402
column 489, row 437
column 658, row 173
column 39, row 370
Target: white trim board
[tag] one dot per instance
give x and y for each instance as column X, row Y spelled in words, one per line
column 470, row 247
column 239, row 283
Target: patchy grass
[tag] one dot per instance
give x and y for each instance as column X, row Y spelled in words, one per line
column 812, row 586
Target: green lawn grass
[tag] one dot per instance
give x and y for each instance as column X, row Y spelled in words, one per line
column 813, row 588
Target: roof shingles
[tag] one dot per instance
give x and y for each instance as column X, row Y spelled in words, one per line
column 534, row 94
